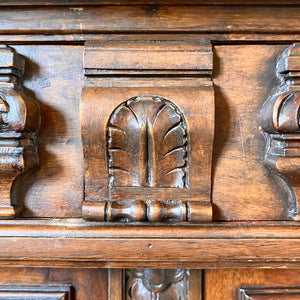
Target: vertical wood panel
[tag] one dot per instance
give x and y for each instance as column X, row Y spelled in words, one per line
column 195, row 285
column 115, row 287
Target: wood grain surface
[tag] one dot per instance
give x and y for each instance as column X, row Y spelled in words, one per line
column 54, row 78
column 243, row 187
column 72, row 242
column 108, row 19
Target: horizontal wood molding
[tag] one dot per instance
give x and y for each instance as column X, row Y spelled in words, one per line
column 143, row 2
column 156, row 55
column 208, row 19
column 42, row 242
column 262, row 293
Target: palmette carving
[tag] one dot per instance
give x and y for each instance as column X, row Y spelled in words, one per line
column 156, row 284
column 19, row 122
column 280, row 122
column 147, row 144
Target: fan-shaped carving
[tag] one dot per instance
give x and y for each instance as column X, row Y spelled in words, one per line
column 147, row 144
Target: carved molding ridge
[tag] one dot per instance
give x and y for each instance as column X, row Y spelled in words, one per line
column 152, row 284
column 280, row 121
column 19, row 123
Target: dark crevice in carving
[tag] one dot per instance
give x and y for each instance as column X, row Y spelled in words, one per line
column 175, row 149
column 149, row 159
column 176, row 125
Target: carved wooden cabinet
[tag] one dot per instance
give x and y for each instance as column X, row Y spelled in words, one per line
column 150, row 149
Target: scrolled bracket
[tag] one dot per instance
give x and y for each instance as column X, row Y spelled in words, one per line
column 19, row 123
column 280, row 120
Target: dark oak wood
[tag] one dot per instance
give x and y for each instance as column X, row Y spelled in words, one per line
column 100, row 72
column 61, row 151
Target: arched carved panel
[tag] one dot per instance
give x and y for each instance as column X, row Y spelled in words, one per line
column 147, row 144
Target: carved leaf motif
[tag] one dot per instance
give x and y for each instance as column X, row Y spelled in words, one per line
column 147, row 144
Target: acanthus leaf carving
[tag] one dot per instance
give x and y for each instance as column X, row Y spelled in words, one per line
column 147, row 144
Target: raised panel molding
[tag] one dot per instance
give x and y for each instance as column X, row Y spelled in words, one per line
column 280, row 120
column 147, row 146
column 269, row 293
column 35, row 292
column 19, row 123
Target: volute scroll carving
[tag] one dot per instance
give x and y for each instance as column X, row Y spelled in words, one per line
column 147, row 147
column 19, row 123
column 280, row 120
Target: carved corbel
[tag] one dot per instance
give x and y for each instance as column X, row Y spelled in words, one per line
column 19, row 122
column 147, row 125
column 280, row 120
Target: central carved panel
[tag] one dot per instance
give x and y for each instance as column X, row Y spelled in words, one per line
column 147, row 144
